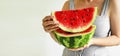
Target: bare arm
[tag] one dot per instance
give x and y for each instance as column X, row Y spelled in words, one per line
column 114, row 39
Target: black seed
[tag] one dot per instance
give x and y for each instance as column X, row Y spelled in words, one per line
column 61, row 12
column 71, row 24
column 88, row 10
column 87, row 15
column 75, row 11
column 72, row 18
column 82, row 17
column 84, row 9
column 64, row 18
column 84, row 21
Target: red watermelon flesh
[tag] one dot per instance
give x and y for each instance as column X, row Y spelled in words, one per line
column 75, row 20
column 70, row 34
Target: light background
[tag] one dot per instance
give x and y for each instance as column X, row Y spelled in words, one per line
column 21, row 32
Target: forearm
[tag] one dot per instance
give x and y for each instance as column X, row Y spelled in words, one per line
column 106, row 41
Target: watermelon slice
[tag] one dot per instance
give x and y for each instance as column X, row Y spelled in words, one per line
column 74, row 40
column 75, row 20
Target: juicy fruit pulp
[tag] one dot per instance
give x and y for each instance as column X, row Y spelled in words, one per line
column 75, row 20
column 60, row 32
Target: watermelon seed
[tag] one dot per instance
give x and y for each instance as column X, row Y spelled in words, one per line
column 87, row 14
column 84, row 21
column 84, row 9
column 61, row 12
column 75, row 11
column 64, row 18
column 87, row 10
column 71, row 24
column 73, row 19
column 82, row 17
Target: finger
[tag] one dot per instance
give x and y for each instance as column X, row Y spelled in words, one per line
column 81, row 48
column 47, row 23
column 87, row 45
column 77, row 49
column 51, row 28
column 48, row 18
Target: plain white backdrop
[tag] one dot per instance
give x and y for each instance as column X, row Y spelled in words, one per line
column 21, row 32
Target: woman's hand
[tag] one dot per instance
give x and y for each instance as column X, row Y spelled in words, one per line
column 81, row 48
column 49, row 25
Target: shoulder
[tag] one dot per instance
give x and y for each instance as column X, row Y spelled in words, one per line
column 115, row 11
column 66, row 5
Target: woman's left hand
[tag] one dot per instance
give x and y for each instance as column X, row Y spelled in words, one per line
column 81, row 48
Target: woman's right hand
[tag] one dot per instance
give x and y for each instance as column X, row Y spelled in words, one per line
column 49, row 25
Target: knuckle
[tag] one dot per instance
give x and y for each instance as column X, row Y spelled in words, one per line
column 45, row 18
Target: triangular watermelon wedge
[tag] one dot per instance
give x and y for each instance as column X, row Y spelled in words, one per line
column 75, row 20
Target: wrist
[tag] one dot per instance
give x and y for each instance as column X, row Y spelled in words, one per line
column 92, row 42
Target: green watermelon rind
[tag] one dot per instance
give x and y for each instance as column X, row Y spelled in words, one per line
column 79, row 29
column 75, row 41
